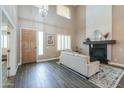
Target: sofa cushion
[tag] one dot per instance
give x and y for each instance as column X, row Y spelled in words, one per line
column 70, row 52
column 79, row 55
column 84, row 57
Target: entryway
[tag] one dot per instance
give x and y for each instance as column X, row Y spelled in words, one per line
column 28, row 46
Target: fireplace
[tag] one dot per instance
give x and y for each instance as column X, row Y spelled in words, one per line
column 98, row 50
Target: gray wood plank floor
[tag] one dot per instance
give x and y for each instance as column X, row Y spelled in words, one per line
column 49, row 75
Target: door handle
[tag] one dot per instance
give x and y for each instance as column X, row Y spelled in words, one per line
column 8, row 50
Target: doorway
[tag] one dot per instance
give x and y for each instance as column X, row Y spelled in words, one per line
column 28, row 46
column 6, row 29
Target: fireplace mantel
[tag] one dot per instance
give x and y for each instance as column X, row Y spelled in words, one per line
column 100, row 42
column 98, row 50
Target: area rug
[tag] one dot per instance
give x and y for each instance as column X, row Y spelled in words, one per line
column 108, row 77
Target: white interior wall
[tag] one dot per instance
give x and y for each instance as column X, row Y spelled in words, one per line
column 99, row 17
column 0, row 50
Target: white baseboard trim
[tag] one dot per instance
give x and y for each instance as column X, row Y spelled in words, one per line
column 19, row 63
column 17, row 67
column 48, row 59
column 116, row 64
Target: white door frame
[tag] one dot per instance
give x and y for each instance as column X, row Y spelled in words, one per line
column 12, row 58
column 37, row 30
column 0, row 49
column 21, row 42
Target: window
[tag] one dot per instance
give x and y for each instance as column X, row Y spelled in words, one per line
column 3, row 41
column 40, row 43
column 63, row 11
column 63, row 42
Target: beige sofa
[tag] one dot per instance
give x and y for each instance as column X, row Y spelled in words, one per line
column 80, row 63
